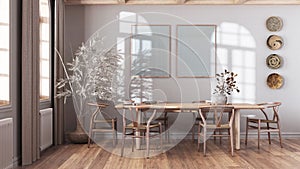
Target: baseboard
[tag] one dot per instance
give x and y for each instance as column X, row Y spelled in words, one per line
column 250, row 135
column 189, row 136
column 265, row 135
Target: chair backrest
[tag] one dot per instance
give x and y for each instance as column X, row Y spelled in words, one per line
column 274, row 107
column 218, row 114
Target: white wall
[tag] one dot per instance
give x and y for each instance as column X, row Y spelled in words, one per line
column 241, row 48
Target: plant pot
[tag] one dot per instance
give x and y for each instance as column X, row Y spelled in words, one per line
column 78, row 136
column 219, row 99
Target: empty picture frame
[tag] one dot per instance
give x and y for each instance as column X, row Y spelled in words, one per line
column 196, row 51
column 150, row 51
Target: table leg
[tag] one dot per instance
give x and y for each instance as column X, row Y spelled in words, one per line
column 138, row 133
column 237, row 129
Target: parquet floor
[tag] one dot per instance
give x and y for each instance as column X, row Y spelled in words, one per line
column 184, row 155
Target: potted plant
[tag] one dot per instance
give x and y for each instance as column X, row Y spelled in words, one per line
column 88, row 79
column 226, row 84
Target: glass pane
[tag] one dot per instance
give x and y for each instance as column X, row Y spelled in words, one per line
column 4, row 84
column 44, row 32
column 4, row 11
column 4, row 53
column 4, row 58
column 44, row 51
column 4, row 34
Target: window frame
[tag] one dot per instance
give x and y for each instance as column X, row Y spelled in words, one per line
column 47, row 103
column 8, row 107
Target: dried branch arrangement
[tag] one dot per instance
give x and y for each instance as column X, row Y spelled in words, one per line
column 226, row 83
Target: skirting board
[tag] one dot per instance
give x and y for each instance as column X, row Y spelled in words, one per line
column 189, row 136
column 243, row 134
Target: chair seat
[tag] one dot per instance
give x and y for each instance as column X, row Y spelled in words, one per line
column 212, row 126
column 105, row 120
column 162, row 118
column 142, row 126
column 261, row 120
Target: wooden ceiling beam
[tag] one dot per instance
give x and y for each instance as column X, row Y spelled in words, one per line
column 239, row 1
column 183, row 2
column 273, row 2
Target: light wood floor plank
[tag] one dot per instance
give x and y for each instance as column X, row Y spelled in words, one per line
column 184, row 155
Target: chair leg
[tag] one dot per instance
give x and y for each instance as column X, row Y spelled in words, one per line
column 132, row 141
column 193, row 133
column 269, row 134
column 113, row 132
column 123, row 143
column 279, row 134
column 215, row 133
column 204, row 142
column 231, row 140
column 160, row 135
column 90, row 131
column 220, row 133
column 147, row 142
column 247, row 123
column 258, row 133
column 199, row 137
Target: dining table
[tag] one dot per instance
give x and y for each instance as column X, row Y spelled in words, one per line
column 195, row 107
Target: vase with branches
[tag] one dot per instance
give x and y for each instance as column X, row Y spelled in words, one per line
column 226, row 85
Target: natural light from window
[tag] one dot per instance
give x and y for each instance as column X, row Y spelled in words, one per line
column 4, row 53
column 44, row 51
column 236, row 52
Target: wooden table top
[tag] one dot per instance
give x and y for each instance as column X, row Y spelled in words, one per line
column 187, row 106
column 100, row 105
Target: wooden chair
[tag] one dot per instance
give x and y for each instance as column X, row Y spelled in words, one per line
column 94, row 120
column 197, row 118
column 266, row 124
column 164, row 120
column 137, row 129
column 218, row 112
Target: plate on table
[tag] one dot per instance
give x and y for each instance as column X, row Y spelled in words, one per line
column 274, row 61
column 275, row 81
column 274, row 23
column 274, row 42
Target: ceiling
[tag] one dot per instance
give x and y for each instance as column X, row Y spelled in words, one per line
column 184, row 2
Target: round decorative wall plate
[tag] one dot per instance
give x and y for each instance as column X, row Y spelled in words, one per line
column 274, row 42
column 274, row 23
column 273, row 61
column 275, row 81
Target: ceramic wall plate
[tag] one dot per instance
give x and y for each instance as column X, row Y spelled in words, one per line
column 274, row 23
column 275, row 81
column 274, row 42
column 274, row 61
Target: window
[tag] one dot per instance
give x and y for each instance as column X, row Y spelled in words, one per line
column 4, row 53
column 45, row 68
